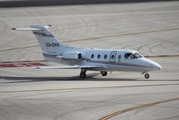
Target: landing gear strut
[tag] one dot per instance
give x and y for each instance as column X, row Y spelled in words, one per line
column 104, row 73
column 83, row 73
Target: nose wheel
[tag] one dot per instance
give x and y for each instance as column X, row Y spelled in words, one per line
column 146, row 75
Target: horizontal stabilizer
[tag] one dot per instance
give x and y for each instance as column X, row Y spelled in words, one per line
column 27, row 29
column 33, row 28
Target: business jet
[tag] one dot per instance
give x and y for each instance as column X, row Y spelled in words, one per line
column 103, row 60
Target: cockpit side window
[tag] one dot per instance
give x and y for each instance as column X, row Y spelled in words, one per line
column 127, row 55
column 132, row 55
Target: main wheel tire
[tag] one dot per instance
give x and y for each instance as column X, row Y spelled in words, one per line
column 82, row 74
column 146, row 76
column 104, row 73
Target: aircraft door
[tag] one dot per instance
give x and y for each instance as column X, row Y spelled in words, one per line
column 113, row 56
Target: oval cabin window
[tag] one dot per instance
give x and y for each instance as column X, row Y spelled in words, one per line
column 119, row 57
column 98, row 56
column 92, row 56
column 105, row 56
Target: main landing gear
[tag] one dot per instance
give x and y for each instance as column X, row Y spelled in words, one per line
column 146, row 75
column 83, row 73
column 104, row 73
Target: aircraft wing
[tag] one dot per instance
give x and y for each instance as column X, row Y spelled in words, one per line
column 69, row 67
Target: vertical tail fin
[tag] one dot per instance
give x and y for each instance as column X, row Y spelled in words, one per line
column 48, row 43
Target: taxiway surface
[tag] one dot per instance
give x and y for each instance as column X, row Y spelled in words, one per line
column 151, row 28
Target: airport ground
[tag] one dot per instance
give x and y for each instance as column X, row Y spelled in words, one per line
column 151, row 28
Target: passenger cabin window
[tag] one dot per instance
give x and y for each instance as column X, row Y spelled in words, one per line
column 98, row 56
column 119, row 57
column 112, row 56
column 92, row 56
column 105, row 56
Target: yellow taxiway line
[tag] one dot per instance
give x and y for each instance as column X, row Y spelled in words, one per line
column 19, row 48
column 125, row 34
column 137, row 107
column 29, row 61
column 159, row 56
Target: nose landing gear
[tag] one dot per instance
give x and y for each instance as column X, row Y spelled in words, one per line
column 146, row 75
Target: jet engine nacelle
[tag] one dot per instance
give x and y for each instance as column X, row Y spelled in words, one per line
column 71, row 55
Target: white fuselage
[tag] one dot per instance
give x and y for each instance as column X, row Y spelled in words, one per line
column 102, row 60
column 109, row 59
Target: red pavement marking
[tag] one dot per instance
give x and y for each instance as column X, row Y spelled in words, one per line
column 21, row 65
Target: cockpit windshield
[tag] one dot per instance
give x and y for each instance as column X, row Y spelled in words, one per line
column 135, row 56
column 132, row 55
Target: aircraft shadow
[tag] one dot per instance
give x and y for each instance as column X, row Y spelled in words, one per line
column 26, row 3
column 90, row 77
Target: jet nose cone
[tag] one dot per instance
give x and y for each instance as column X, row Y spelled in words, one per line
column 157, row 66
